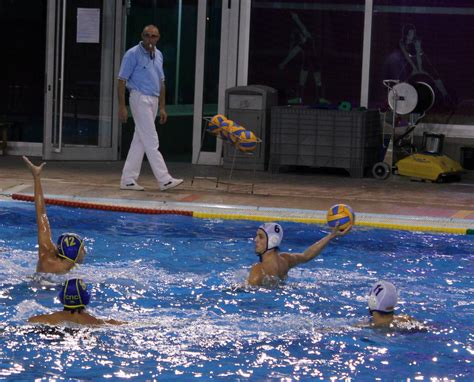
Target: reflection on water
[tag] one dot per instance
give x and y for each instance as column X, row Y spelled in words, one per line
column 180, row 285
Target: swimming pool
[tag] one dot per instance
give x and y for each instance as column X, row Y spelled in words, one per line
column 176, row 278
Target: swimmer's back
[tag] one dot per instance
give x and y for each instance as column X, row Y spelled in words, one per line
column 82, row 318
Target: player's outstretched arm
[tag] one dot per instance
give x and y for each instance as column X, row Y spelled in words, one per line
column 46, row 245
column 314, row 250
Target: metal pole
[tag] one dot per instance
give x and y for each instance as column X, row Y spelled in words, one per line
column 178, row 51
column 61, row 79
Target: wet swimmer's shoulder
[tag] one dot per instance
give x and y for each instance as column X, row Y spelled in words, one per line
column 70, row 251
column 265, row 281
column 407, row 324
column 75, row 296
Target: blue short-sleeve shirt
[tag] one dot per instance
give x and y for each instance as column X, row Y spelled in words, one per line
column 141, row 72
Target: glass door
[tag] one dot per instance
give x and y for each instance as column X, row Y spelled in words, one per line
column 221, row 63
column 207, row 149
column 177, row 22
column 83, row 53
column 23, row 75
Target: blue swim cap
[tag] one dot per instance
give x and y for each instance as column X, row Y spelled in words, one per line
column 69, row 246
column 74, row 294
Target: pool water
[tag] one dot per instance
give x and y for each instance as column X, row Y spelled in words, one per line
column 178, row 281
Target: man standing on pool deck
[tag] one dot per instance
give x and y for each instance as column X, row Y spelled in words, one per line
column 70, row 248
column 274, row 266
column 142, row 73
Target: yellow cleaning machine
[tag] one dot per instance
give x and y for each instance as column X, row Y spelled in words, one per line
column 402, row 157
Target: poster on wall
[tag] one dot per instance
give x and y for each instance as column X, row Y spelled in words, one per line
column 88, row 25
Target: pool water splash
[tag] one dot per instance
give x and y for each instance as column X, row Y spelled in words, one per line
column 180, row 283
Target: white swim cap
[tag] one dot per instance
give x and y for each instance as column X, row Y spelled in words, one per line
column 274, row 234
column 383, row 297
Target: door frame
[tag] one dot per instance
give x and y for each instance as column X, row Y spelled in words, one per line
column 233, row 67
column 56, row 29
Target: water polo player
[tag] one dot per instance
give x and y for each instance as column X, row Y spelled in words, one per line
column 274, row 266
column 75, row 296
column 382, row 301
column 69, row 250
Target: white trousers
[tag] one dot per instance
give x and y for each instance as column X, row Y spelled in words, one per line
column 145, row 141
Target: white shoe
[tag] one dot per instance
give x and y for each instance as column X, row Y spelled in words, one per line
column 132, row 186
column 172, row 183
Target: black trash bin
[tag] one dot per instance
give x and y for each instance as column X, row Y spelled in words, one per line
column 467, row 158
column 250, row 106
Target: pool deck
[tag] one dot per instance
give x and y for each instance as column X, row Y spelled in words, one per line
column 265, row 195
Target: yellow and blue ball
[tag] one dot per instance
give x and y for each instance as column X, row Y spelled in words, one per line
column 228, row 127
column 342, row 215
column 245, row 140
column 235, row 131
column 215, row 124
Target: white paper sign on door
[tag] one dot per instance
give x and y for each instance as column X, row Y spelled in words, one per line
column 88, row 25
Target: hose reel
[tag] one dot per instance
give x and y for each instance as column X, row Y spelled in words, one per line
column 405, row 98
